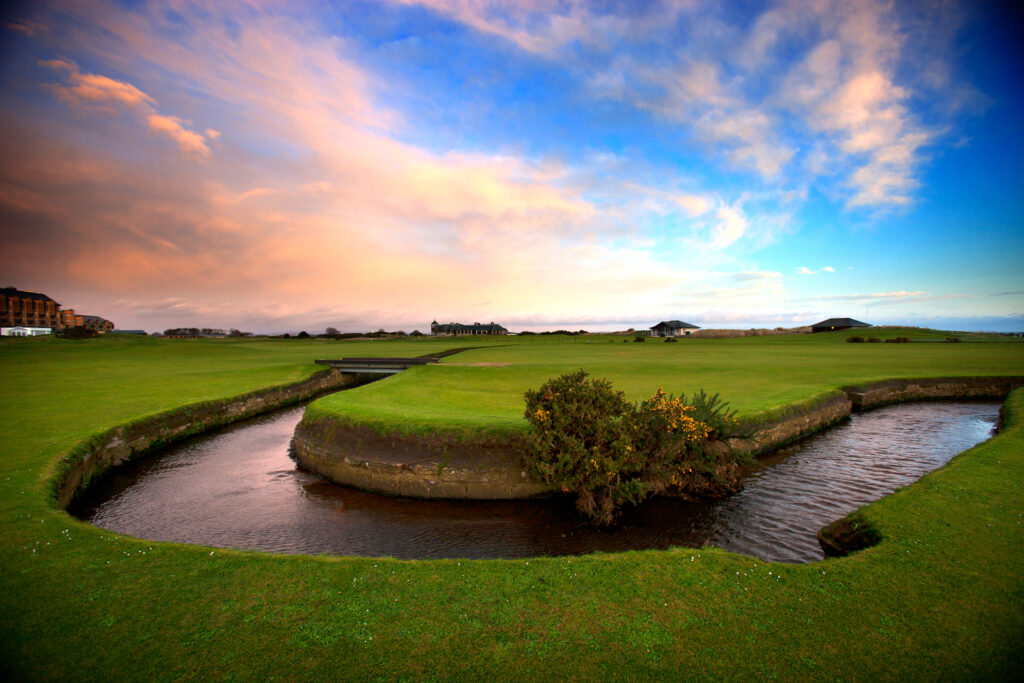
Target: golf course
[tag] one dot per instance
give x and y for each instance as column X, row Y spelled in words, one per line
column 939, row 597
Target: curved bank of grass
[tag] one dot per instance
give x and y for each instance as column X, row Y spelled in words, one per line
column 940, row 597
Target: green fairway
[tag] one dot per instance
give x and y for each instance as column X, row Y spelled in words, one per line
column 941, row 597
column 481, row 391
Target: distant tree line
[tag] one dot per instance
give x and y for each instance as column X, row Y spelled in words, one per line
column 566, row 332
column 204, row 332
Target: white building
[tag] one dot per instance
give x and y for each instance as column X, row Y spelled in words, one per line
column 24, row 331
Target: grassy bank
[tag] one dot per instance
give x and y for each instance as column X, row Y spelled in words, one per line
column 939, row 597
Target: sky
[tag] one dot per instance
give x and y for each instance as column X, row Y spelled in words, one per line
column 284, row 166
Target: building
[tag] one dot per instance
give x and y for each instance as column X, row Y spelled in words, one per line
column 833, row 324
column 69, row 318
column 673, row 328
column 28, row 309
column 24, row 331
column 459, row 330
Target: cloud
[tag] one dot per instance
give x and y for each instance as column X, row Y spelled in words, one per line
column 804, row 270
column 693, row 205
column 828, row 269
column 187, row 140
column 93, row 88
column 729, row 226
column 27, row 27
column 545, row 28
column 82, row 88
column 757, row 275
column 749, row 137
column 830, row 83
column 880, row 296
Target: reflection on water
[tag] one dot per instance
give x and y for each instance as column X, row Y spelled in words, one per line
column 239, row 488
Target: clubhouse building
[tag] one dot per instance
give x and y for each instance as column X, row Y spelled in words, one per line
column 834, row 324
column 672, row 328
column 459, row 330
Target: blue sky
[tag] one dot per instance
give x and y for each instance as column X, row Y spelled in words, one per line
column 281, row 166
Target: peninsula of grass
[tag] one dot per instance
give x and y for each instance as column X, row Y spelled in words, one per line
column 940, row 597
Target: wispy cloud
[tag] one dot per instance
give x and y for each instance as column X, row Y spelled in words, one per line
column 757, row 275
column 839, row 105
column 94, row 89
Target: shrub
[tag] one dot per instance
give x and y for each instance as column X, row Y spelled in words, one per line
column 587, row 439
column 898, row 340
column 714, row 412
column 873, row 340
column 77, row 332
column 581, row 443
column 855, row 340
column 671, row 339
column 638, row 338
column 953, row 339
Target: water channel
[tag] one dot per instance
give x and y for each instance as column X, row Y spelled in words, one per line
column 239, row 488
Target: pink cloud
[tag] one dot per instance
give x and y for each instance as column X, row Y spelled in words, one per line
column 82, row 88
column 187, row 140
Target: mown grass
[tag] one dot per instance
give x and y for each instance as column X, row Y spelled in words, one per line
column 480, row 392
column 939, row 598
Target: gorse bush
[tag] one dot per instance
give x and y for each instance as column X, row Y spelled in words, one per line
column 588, row 440
column 581, row 442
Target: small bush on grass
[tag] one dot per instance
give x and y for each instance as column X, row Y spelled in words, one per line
column 670, row 339
column 78, row 332
column 898, row 340
column 638, row 338
column 587, row 439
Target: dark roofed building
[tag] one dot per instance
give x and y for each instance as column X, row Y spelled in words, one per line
column 94, row 322
column 833, row 324
column 28, row 309
column 672, row 328
column 459, row 330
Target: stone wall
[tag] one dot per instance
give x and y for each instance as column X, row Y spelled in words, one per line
column 120, row 444
column 435, row 466
column 874, row 394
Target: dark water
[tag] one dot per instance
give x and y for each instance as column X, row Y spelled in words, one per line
column 239, row 488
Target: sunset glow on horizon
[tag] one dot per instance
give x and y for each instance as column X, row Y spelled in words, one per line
column 277, row 166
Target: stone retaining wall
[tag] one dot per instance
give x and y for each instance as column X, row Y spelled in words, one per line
column 418, row 467
column 874, row 394
column 117, row 445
